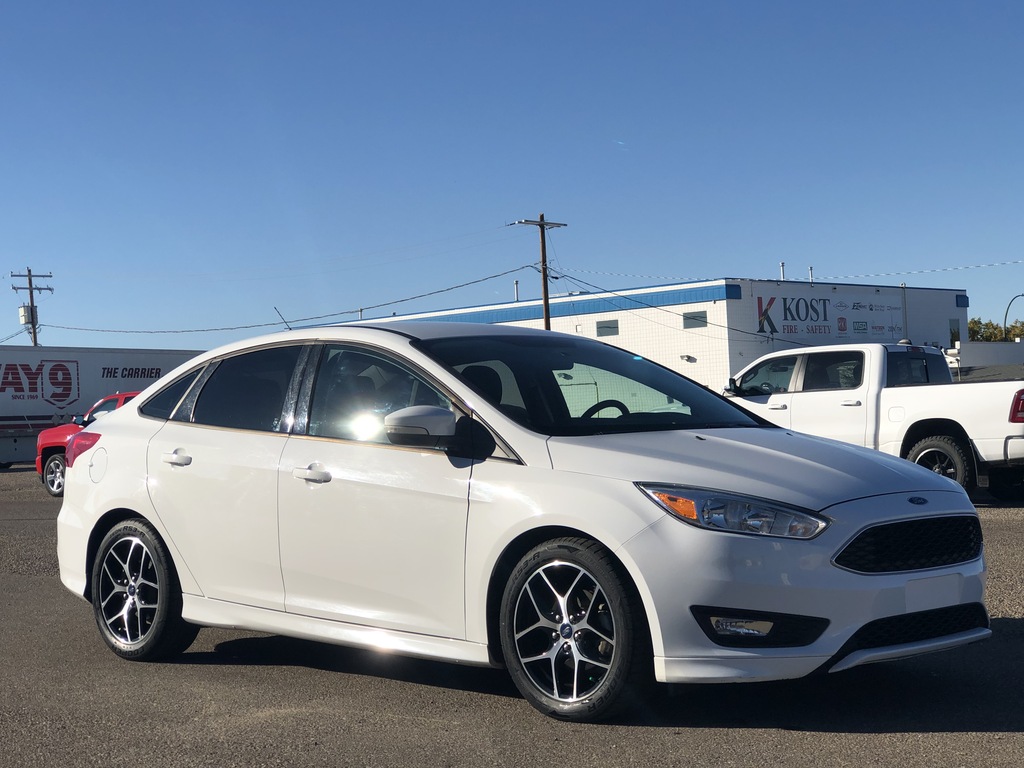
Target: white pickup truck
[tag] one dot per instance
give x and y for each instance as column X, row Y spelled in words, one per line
column 899, row 399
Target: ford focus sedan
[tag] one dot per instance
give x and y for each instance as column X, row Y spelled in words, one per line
column 499, row 496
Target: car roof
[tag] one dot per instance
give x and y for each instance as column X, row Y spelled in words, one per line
column 376, row 330
column 427, row 329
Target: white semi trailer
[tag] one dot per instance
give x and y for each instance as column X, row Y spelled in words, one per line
column 43, row 386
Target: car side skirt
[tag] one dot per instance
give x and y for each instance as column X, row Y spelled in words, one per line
column 217, row 613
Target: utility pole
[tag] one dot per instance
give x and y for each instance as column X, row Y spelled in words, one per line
column 543, row 226
column 33, row 318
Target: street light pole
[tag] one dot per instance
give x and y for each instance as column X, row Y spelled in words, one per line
column 543, row 226
column 1007, row 314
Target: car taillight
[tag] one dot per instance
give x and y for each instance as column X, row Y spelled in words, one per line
column 79, row 444
column 1017, row 408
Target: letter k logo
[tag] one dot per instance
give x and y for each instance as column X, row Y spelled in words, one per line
column 763, row 317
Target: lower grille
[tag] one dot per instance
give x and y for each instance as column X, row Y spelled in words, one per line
column 915, row 627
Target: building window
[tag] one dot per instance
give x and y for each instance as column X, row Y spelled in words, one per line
column 695, row 320
column 954, row 332
column 607, row 328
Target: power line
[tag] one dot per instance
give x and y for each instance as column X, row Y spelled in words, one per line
column 832, row 277
column 646, row 305
column 314, row 318
column 16, row 333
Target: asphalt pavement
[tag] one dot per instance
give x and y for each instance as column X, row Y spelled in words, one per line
column 249, row 699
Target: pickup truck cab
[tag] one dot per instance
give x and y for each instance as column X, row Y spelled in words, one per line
column 899, row 399
column 52, row 443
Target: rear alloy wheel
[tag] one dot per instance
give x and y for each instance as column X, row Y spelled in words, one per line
column 136, row 597
column 53, row 474
column 573, row 633
column 944, row 456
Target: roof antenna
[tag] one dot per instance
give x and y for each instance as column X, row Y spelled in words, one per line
column 282, row 318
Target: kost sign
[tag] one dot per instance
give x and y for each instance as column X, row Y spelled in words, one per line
column 799, row 310
column 839, row 317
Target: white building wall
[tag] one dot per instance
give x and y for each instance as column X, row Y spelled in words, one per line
column 744, row 319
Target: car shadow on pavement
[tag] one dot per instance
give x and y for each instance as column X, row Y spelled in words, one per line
column 977, row 688
column 973, row 689
column 275, row 650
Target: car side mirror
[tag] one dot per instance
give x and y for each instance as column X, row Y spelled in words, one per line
column 733, row 388
column 426, row 426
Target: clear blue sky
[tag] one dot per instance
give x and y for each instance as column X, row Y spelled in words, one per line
column 193, row 165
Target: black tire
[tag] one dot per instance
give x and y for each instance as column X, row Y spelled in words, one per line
column 53, row 474
column 573, row 632
column 945, row 456
column 136, row 596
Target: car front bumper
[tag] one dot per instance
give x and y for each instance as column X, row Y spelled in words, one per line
column 860, row 617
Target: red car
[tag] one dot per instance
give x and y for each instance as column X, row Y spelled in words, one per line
column 51, row 443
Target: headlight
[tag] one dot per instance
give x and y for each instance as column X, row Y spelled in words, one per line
column 718, row 511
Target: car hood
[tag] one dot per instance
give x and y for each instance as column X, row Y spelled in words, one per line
column 810, row 472
column 58, row 435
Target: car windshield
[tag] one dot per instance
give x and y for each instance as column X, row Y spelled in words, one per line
column 563, row 386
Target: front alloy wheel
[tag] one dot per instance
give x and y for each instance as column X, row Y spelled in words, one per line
column 136, row 597
column 571, row 631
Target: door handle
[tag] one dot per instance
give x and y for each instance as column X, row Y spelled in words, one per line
column 777, row 407
column 176, row 458
column 851, row 402
column 314, row 473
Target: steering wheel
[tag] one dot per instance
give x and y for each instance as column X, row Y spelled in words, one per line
column 601, row 405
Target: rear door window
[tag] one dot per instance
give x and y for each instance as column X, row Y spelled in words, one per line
column 833, row 370
column 248, row 391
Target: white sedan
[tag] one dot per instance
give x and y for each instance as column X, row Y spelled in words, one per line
column 494, row 495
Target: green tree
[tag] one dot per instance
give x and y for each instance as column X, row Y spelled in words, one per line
column 991, row 330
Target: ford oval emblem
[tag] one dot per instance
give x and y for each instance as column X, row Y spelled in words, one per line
column 917, row 500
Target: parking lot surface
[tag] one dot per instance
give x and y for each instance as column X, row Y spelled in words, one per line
column 248, row 699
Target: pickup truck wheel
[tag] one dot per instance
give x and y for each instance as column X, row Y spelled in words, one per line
column 944, row 456
column 53, row 474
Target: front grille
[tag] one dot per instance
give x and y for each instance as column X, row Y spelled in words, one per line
column 915, row 627
column 913, row 545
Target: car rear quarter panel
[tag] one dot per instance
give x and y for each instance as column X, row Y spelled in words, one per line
column 94, row 501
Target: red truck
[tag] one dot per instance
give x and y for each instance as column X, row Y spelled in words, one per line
column 51, row 443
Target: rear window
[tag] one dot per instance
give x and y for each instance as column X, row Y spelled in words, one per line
column 905, row 368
